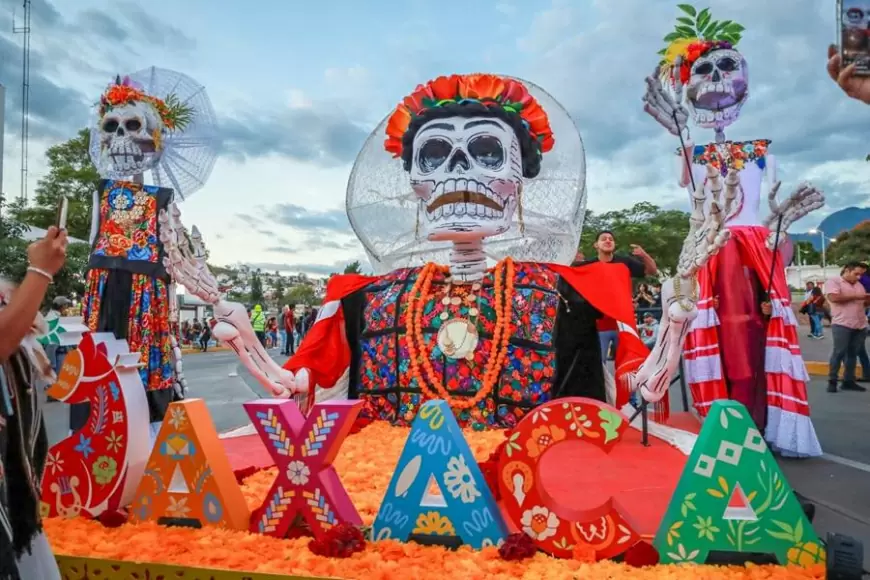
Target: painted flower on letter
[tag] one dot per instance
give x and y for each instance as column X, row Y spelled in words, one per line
column 104, row 469
column 298, row 473
column 539, row 523
column 542, row 437
column 459, row 481
column 434, row 524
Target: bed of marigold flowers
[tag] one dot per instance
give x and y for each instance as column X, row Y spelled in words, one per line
column 365, row 464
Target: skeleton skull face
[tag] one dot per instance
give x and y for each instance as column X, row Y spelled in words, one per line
column 130, row 139
column 718, row 88
column 467, row 174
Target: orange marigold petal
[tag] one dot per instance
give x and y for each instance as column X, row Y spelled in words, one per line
column 481, row 87
column 444, row 87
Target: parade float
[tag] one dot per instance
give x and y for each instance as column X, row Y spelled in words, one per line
column 451, row 415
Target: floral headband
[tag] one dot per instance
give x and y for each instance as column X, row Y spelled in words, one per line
column 509, row 94
column 695, row 34
column 175, row 114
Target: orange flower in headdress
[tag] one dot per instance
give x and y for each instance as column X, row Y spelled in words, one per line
column 511, row 95
column 173, row 113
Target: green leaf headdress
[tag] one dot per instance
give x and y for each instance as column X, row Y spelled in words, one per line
column 695, row 34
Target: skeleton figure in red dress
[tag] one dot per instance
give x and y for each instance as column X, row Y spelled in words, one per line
column 472, row 173
column 744, row 343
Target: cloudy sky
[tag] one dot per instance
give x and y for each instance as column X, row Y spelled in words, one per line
column 298, row 85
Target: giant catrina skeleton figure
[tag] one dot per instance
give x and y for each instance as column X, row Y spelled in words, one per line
column 735, row 348
column 477, row 176
column 161, row 122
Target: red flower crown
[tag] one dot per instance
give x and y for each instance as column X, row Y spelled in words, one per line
column 511, row 95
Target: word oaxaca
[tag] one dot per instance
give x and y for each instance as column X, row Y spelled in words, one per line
column 731, row 496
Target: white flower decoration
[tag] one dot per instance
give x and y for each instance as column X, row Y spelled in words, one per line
column 539, row 523
column 298, row 473
column 460, row 484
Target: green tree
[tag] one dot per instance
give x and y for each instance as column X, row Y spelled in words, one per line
column 68, row 282
column 279, row 291
column 302, row 295
column 70, row 173
column 660, row 232
column 257, row 288
column 353, row 268
column 851, row 246
column 808, row 254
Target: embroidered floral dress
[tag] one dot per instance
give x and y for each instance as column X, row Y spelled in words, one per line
column 550, row 324
column 127, row 285
column 733, row 351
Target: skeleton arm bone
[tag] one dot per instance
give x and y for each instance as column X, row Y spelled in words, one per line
column 707, row 235
column 186, row 263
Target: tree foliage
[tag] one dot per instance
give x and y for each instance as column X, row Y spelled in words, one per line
column 808, row 254
column 353, row 268
column 257, row 296
column 68, row 282
column 70, row 173
column 302, row 295
column 851, row 246
column 660, row 232
column 279, row 291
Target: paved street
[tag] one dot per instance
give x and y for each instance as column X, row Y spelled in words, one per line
column 839, row 484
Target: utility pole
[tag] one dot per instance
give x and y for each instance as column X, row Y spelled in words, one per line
column 25, row 95
column 2, row 131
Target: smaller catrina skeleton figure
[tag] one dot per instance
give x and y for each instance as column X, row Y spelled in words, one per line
column 159, row 121
column 744, row 343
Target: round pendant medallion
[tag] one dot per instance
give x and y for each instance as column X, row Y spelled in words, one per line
column 457, row 339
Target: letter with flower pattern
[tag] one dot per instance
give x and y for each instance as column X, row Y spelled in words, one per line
column 732, row 497
column 188, row 480
column 438, row 489
column 97, row 468
column 303, row 450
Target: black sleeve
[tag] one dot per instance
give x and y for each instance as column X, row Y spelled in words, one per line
column 635, row 267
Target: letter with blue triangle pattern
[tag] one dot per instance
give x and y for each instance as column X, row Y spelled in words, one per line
column 437, row 488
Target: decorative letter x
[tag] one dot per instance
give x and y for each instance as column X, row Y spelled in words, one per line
column 303, row 450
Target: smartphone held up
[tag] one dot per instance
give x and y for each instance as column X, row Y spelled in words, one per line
column 853, row 34
column 62, row 211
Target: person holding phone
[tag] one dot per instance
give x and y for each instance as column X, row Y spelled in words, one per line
column 857, row 87
column 24, row 549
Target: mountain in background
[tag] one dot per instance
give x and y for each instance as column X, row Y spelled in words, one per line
column 834, row 225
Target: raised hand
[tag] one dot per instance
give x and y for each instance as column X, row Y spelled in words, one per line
column 186, row 257
column 857, row 87
column 805, row 199
column 665, row 108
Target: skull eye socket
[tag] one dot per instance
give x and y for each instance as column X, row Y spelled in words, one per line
column 132, row 125
column 433, row 154
column 110, row 125
column 704, row 68
column 727, row 64
column 487, row 151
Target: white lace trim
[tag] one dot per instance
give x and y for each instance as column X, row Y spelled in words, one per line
column 791, row 434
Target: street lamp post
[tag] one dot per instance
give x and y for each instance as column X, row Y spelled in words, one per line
column 824, row 238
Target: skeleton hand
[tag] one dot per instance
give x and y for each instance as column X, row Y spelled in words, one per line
column 234, row 329
column 804, row 200
column 665, row 108
column 707, row 234
column 186, row 257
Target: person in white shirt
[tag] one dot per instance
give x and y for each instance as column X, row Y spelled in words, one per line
column 649, row 330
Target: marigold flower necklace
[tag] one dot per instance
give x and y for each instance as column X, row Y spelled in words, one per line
column 429, row 381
